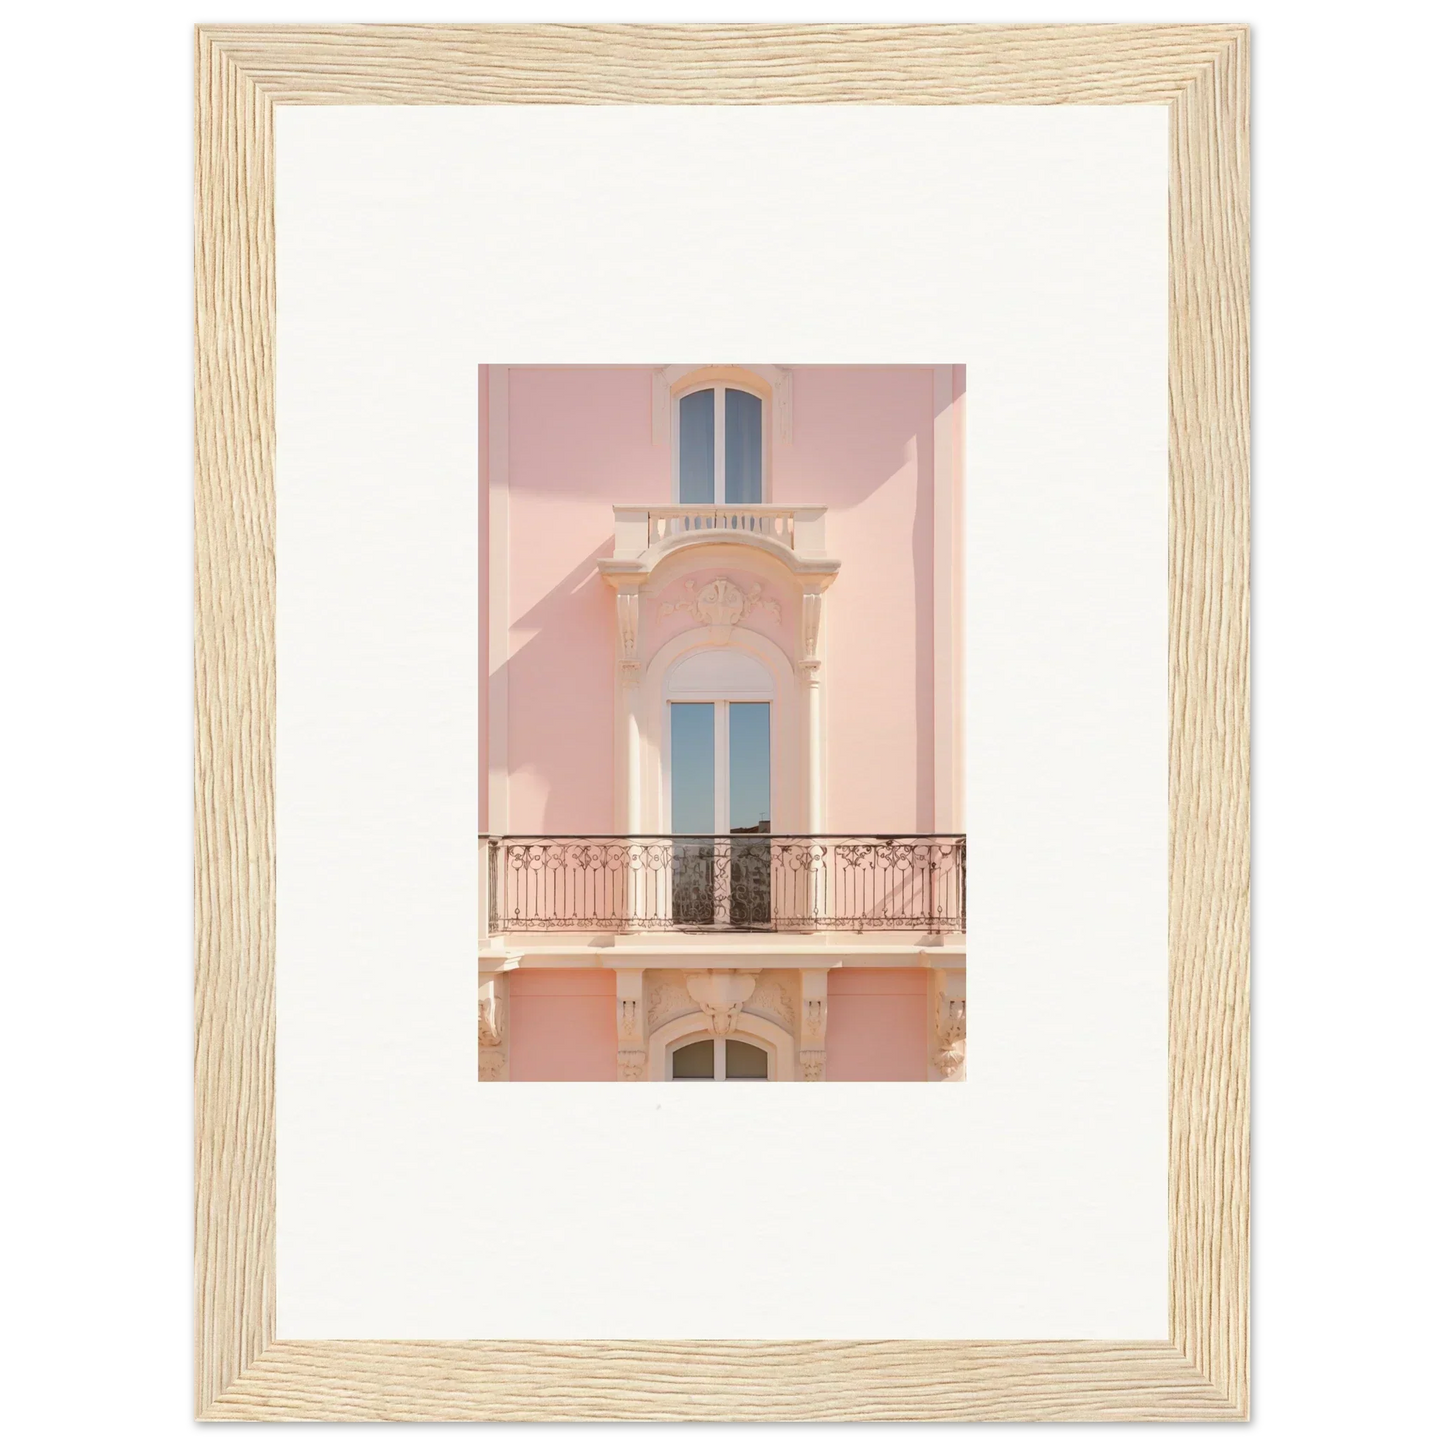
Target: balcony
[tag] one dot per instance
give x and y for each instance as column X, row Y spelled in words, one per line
column 727, row 883
column 797, row 530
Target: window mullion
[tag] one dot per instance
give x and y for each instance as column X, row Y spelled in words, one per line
column 722, row 758
column 719, row 446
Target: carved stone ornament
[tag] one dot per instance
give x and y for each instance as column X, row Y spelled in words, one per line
column 631, row 1065
column 949, row 1063
column 951, row 1021
column 666, row 1000
column 721, row 602
column 629, row 1021
column 812, row 624
column 721, row 997
column 490, row 1065
column 627, row 623
column 952, row 1017
column 811, row 1061
column 815, row 1022
column 772, row 997
column 489, row 1016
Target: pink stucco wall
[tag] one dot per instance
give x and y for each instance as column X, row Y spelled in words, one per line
column 563, row 1025
column 580, row 440
column 863, row 446
column 877, row 1024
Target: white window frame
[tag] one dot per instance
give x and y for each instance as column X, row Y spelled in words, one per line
column 662, row 685
column 721, row 755
column 719, row 1058
column 720, row 389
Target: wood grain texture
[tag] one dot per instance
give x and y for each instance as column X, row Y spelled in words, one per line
column 720, row 1380
column 723, row 64
column 235, row 722
column 1209, row 723
column 242, row 1370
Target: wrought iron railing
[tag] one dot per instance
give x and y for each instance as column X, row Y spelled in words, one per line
column 729, row 882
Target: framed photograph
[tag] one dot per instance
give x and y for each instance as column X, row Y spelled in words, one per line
column 723, row 805
column 722, row 556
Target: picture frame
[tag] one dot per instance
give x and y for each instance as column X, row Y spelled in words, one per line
column 242, row 1370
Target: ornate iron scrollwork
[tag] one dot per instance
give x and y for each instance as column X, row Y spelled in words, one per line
column 729, row 882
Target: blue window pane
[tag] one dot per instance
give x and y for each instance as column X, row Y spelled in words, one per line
column 750, row 866
column 743, row 414
column 695, row 448
column 692, row 767
column 749, row 782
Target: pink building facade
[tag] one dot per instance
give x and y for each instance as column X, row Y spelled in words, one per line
column 722, row 828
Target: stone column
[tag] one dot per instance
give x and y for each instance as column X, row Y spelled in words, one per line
column 813, row 1028
column 811, row 677
column 629, row 672
column 631, row 1026
column 811, row 669
column 629, row 668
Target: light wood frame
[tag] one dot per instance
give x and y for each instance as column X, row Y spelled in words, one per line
column 243, row 1372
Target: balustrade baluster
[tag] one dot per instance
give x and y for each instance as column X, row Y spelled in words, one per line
column 774, row 522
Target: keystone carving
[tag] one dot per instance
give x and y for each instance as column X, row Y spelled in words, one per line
column 721, row 997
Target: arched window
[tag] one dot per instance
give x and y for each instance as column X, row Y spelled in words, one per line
column 719, row 445
column 718, row 1058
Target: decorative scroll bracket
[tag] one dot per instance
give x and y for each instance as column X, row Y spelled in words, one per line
column 492, row 1060
column 950, row 1018
column 813, row 1029
column 631, row 1026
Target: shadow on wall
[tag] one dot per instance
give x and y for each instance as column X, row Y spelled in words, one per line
column 839, row 446
column 853, row 437
column 560, row 701
column 843, row 451
column 560, row 687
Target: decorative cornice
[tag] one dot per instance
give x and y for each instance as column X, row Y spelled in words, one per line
column 817, row 573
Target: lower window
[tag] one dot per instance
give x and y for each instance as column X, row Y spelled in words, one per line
column 718, row 1059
